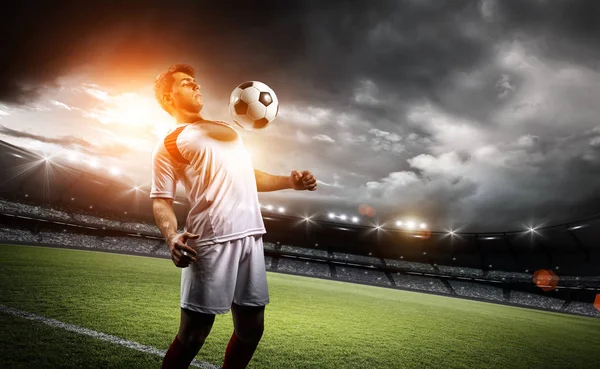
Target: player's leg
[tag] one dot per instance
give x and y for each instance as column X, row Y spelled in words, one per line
column 251, row 296
column 194, row 327
column 248, row 322
column 207, row 288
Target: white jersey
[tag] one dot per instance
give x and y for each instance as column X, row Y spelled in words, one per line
column 219, row 182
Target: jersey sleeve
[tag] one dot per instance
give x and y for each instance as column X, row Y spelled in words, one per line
column 164, row 174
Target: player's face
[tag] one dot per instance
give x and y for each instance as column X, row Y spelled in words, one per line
column 186, row 93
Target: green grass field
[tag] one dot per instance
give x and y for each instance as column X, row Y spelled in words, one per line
column 310, row 323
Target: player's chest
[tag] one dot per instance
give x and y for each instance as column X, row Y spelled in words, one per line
column 214, row 143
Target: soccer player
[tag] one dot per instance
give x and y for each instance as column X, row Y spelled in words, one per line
column 221, row 249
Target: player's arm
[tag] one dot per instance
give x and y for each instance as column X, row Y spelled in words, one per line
column 296, row 180
column 164, row 184
column 166, row 221
column 164, row 216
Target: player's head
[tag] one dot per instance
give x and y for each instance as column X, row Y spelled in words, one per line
column 177, row 90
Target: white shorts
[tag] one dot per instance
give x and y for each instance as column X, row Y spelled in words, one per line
column 233, row 271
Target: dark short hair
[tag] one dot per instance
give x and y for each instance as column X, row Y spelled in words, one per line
column 164, row 81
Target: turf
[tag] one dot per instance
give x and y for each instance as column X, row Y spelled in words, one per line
column 28, row 344
column 310, row 323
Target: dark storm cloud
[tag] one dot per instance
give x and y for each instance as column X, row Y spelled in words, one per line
column 69, row 142
column 562, row 29
column 408, row 48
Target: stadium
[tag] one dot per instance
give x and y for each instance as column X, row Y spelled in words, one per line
column 427, row 175
column 52, row 219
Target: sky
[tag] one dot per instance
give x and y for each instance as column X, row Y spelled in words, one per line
column 474, row 115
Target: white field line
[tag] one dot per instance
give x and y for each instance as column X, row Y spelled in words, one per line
column 97, row 335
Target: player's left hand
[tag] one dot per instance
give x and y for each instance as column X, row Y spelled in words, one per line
column 302, row 181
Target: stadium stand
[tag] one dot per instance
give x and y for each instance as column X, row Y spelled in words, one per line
column 582, row 308
column 17, row 235
column 307, row 268
column 304, row 251
column 361, row 275
column 413, row 282
column 509, row 276
column 539, row 301
column 357, row 258
column 268, row 260
column 410, row 266
column 461, row 271
column 34, row 211
column 269, row 246
column 478, row 291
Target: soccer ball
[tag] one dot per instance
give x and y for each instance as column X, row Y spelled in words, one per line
column 253, row 105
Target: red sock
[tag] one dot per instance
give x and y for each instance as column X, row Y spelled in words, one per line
column 178, row 356
column 238, row 353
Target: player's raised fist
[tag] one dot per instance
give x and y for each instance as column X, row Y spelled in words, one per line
column 181, row 254
column 302, row 181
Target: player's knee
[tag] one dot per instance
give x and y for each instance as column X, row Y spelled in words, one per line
column 192, row 336
column 193, row 339
column 251, row 334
